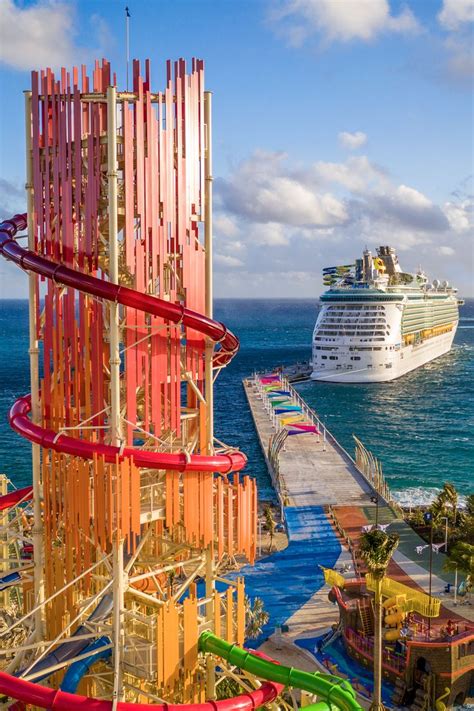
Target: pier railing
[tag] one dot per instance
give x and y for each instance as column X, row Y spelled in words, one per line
column 371, row 468
column 366, row 464
column 372, row 472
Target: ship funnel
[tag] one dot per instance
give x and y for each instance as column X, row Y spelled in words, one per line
column 367, row 266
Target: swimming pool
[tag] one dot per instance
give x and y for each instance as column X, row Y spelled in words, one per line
column 359, row 676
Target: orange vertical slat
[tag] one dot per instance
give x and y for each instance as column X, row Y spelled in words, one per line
column 191, row 634
column 171, row 636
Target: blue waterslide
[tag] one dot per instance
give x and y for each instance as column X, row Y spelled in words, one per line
column 73, row 647
column 8, row 580
column 78, row 669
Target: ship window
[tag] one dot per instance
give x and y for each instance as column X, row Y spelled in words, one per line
column 324, row 357
column 355, row 357
column 388, row 365
column 333, row 358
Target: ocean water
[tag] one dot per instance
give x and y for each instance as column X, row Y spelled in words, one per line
column 419, row 426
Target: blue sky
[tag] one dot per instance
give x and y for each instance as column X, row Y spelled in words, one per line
column 337, row 123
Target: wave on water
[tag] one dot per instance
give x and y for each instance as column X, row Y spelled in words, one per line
column 420, row 496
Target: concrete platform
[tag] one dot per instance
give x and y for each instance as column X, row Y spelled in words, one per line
column 313, row 472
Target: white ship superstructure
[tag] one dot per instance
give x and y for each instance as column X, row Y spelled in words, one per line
column 378, row 323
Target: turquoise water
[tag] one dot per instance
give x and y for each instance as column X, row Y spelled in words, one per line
column 420, row 426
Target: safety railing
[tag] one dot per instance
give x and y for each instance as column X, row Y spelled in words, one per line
column 365, row 462
column 371, row 468
column 416, row 601
column 391, row 661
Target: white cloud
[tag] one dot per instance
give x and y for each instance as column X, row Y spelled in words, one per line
column 456, row 13
column 268, row 199
column 352, row 141
column 272, row 200
column 340, row 20
column 225, row 260
column 356, row 174
column 263, row 190
column 13, row 282
column 225, row 226
column 460, row 215
column 459, row 59
column 270, row 234
column 44, row 34
column 403, row 207
column 456, row 18
column 238, row 246
column 412, row 197
column 276, row 283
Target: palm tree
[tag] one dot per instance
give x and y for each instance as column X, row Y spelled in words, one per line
column 466, row 527
column 461, row 558
column 446, row 503
column 451, row 498
column 376, row 549
column 270, row 524
column 255, row 617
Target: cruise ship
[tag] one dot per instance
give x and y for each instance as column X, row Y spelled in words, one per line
column 378, row 322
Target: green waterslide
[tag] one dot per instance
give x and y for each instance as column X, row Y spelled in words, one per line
column 336, row 692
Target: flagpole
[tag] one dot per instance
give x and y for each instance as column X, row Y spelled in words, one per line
column 127, row 39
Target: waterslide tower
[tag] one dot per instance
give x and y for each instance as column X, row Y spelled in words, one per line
column 114, row 563
column 136, row 507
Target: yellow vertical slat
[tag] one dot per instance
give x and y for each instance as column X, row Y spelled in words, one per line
column 160, row 647
column 229, row 615
column 240, row 611
column 217, row 614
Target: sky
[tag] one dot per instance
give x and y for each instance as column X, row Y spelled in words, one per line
column 337, row 124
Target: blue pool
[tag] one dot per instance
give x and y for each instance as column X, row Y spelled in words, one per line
column 335, row 654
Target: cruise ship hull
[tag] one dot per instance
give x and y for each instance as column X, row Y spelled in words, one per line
column 389, row 366
column 377, row 323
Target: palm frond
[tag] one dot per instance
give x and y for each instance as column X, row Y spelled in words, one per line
column 376, row 548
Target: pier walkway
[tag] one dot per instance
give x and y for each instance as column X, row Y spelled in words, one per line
column 313, row 470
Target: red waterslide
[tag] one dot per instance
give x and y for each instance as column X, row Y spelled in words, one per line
column 49, row 439
column 216, row 331
column 31, row 693
column 14, row 497
column 57, row 700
